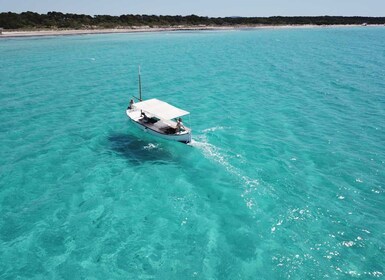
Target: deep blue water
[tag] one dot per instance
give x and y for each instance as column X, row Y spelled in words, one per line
column 284, row 179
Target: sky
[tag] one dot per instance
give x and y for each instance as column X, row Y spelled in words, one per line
column 211, row 8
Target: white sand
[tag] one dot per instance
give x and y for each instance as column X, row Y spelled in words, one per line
column 7, row 34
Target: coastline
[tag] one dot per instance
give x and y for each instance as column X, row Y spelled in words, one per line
column 134, row 29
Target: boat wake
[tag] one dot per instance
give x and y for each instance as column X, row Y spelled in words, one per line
column 212, row 129
column 219, row 156
column 150, row 146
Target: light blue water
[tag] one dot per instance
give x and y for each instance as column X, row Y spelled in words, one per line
column 285, row 177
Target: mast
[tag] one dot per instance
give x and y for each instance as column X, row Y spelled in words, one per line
column 140, row 86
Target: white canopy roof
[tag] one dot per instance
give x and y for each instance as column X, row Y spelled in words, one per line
column 160, row 109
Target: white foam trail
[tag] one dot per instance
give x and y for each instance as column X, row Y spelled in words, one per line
column 212, row 129
column 150, row 146
column 214, row 153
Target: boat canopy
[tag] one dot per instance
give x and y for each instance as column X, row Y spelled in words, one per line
column 160, row 109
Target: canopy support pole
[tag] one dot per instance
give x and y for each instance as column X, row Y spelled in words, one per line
column 140, row 85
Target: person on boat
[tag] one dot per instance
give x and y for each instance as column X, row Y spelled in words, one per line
column 144, row 116
column 131, row 106
column 179, row 126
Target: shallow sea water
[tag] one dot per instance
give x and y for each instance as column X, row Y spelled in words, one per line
column 284, row 178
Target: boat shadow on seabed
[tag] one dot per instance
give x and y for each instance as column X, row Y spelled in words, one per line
column 137, row 150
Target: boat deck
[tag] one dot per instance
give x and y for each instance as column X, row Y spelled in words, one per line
column 160, row 126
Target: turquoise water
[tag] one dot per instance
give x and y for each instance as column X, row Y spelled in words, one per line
column 284, row 178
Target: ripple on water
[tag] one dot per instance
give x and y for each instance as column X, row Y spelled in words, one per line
column 283, row 178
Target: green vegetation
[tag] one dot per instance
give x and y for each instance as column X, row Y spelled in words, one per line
column 31, row 20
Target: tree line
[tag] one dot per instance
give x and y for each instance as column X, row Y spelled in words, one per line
column 32, row 20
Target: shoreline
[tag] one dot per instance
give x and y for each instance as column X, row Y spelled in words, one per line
column 142, row 29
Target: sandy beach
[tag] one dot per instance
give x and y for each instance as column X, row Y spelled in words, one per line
column 61, row 32
column 58, row 32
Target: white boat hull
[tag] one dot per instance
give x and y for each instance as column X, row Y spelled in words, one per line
column 158, row 129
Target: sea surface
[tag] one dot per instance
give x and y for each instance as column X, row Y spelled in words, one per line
column 285, row 176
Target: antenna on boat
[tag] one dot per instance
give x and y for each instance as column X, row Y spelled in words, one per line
column 140, row 86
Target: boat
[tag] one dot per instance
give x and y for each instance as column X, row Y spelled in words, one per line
column 159, row 118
